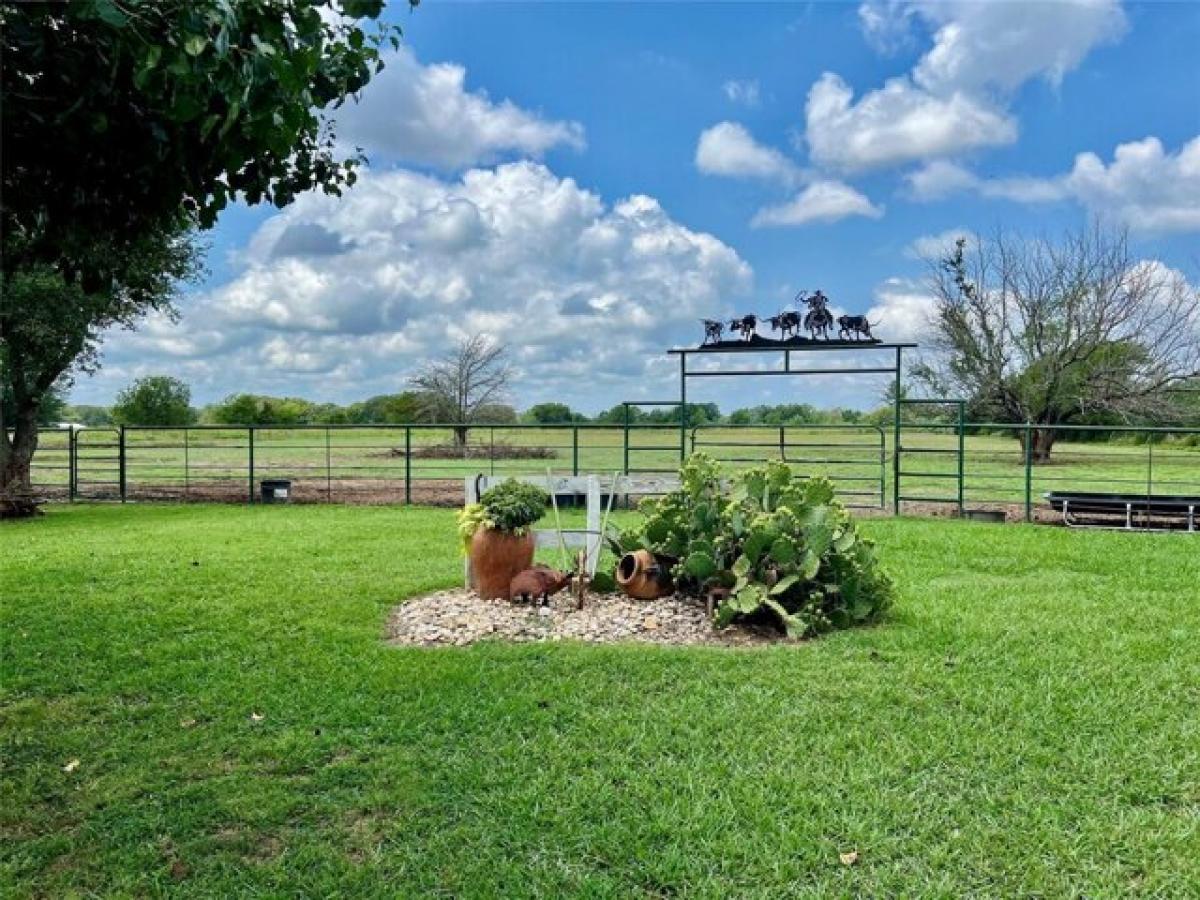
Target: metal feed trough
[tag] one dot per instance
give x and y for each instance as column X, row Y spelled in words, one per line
column 1082, row 509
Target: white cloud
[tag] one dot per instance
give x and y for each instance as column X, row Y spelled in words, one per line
column 822, row 201
column 955, row 98
column 587, row 294
column 897, row 123
column 902, row 310
column 934, row 246
column 978, row 46
column 727, row 148
column 746, row 93
column 940, row 179
column 422, row 114
column 1145, row 187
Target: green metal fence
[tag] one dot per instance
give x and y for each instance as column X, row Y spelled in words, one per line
column 943, row 465
column 992, row 465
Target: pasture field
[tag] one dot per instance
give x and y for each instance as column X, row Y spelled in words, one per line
column 196, row 700
column 372, row 464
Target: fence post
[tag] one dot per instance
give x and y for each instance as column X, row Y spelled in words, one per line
column 575, row 450
column 1028, row 472
column 899, row 390
column 250, row 468
column 882, row 467
column 407, row 466
column 962, row 449
column 782, row 449
column 682, row 407
column 1149, row 475
column 121, row 461
column 72, row 462
column 187, row 477
column 626, row 439
column 328, row 470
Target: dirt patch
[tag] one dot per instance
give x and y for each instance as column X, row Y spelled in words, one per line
column 498, row 450
column 459, row 617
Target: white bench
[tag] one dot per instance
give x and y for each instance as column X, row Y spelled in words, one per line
column 593, row 487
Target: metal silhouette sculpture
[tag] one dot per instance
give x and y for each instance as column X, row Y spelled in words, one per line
column 788, row 324
column 818, row 320
column 854, row 328
column 745, row 326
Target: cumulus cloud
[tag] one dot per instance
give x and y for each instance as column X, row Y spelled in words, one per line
column 1145, row 187
column 896, row 123
column 745, row 93
column 727, row 148
column 940, row 179
column 404, row 264
column 424, row 114
column 979, row 46
column 935, row 246
column 821, row 201
column 955, row 98
column 903, row 309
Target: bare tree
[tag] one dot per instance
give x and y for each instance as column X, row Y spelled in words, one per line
column 1033, row 331
column 461, row 385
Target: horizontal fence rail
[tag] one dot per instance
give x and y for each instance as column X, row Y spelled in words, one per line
column 943, row 466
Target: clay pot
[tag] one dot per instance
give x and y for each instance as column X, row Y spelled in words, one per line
column 496, row 558
column 644, row 576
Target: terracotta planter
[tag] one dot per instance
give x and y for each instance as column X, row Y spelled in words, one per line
column 644, row 576
column 497, row 558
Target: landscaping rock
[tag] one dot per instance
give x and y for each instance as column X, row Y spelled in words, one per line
column 460, row 617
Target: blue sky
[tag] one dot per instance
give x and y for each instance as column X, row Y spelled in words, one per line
column 584, row 181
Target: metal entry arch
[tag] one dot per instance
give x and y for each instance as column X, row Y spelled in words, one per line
column 894, row 349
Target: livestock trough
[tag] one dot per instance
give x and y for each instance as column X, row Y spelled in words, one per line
column 1144, row 512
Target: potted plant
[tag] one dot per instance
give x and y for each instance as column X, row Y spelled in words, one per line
column 497, row 535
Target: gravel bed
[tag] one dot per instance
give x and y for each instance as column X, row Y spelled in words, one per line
column 459, row 617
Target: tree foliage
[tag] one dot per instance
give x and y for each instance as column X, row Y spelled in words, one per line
column 50, row 325
column 551, row 414
column 154, row 400
column 127, row 124
column 122, row 117
column 1028, row 330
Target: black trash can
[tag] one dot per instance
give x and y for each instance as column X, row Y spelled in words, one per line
column 276, row 490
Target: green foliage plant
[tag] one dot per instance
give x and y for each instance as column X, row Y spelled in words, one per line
column 780, row 544
column 510, row 507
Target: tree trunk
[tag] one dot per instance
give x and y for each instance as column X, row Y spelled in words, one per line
column 16, row 455
column 1043, row 439
column 460, row 438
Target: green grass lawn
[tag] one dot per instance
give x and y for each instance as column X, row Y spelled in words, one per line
column 1027, row 723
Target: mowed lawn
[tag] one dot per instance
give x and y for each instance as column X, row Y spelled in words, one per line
column 1027, row 722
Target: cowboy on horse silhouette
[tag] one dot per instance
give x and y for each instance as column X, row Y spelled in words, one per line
column 818, row 320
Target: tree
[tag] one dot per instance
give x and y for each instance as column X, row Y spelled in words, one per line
column 551, row 414
column 256, row 409
column 391, row 409
column 458, row 388
column 122, row 116
column 53, row 408
column 50, row 326
column 154, row 400
column 88, row 415
column 1027, row 330
column 126, row 124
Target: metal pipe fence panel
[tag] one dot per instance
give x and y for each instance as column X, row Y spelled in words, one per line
column 941, row 464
